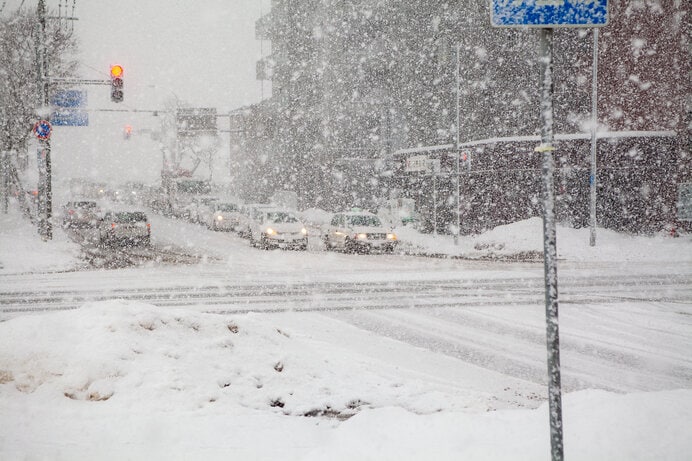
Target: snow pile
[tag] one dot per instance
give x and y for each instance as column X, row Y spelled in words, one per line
column 23, row 250
column 126, row 352
column 524, row 240
column 316, row 217
column 117, row 380
column 598, row 426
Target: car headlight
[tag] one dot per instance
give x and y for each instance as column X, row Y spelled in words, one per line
column 219, row 218
column 270, row 231
column 304, row 231
column 391, row 236
column 362, row 236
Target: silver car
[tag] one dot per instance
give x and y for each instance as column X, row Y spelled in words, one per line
column 275, row 228
column 224, row 216
column 249, row 214
column 124, row 228
column 358, row 232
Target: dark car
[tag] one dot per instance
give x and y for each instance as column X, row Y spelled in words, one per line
column 124, row 227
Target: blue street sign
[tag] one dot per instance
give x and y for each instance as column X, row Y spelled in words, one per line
column 549, row 13
column 69, row 98
column 70, row 117
column 67, row 104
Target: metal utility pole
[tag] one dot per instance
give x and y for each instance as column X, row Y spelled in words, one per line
column 550, row 246
column 594, row 140
column 44, row 158
column 4, row 171
column 434, row 203
column 458, row 142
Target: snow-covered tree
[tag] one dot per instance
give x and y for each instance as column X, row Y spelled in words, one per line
column 20, row 93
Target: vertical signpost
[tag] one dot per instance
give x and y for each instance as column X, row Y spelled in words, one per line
column 594, row 141
column 4, row 171
column 42, row 130
column 546, row 15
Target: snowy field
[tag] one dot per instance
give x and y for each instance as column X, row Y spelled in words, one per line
column 231, row 367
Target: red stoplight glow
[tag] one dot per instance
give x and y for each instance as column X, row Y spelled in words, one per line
column 116, row 71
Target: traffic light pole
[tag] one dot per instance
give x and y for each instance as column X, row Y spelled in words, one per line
column 45, row 226
column 4, row 172
column 457, row 153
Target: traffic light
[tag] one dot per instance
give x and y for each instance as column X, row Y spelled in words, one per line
column 117, row 83
column 465, row 160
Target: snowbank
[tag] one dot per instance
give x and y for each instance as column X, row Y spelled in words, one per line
column 23, row 250
column 117, row 380
column 524, row 240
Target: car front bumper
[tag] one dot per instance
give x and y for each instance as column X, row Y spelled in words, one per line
column 287, row 240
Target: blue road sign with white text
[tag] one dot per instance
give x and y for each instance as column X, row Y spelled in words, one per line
column 69, row 98
column 69, row 117
column 549, row 13
column 67, row 105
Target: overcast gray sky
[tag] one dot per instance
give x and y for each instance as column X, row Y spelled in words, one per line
column 202, row 51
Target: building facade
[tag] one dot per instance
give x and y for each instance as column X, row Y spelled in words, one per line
column 359, row 86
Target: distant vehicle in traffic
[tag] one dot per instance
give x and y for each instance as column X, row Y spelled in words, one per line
column 80, row 214
column 358, row 232
column 274, row 228
column 124, row 228
column 200, row 208
column 224, row 216
column 249, row 215
column 181, row 192
column 88, row 189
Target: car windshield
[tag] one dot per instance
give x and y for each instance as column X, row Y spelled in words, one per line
column 227, row 207
column 83, row 205
column 281, row 217
column 363, row 220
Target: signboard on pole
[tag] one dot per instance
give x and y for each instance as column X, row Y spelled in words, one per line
column 70, row 118
column 546, row 15
column 549, row 13
column 69, row 99
column 684, row 204
column 416, row 163
column 194, row 122
column 67, row 105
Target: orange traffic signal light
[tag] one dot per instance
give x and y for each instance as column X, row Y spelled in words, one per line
column 117, row 93
column 116, row 71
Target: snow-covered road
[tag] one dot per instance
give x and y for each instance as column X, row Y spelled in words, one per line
column 625, row 327
column 264, row 354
